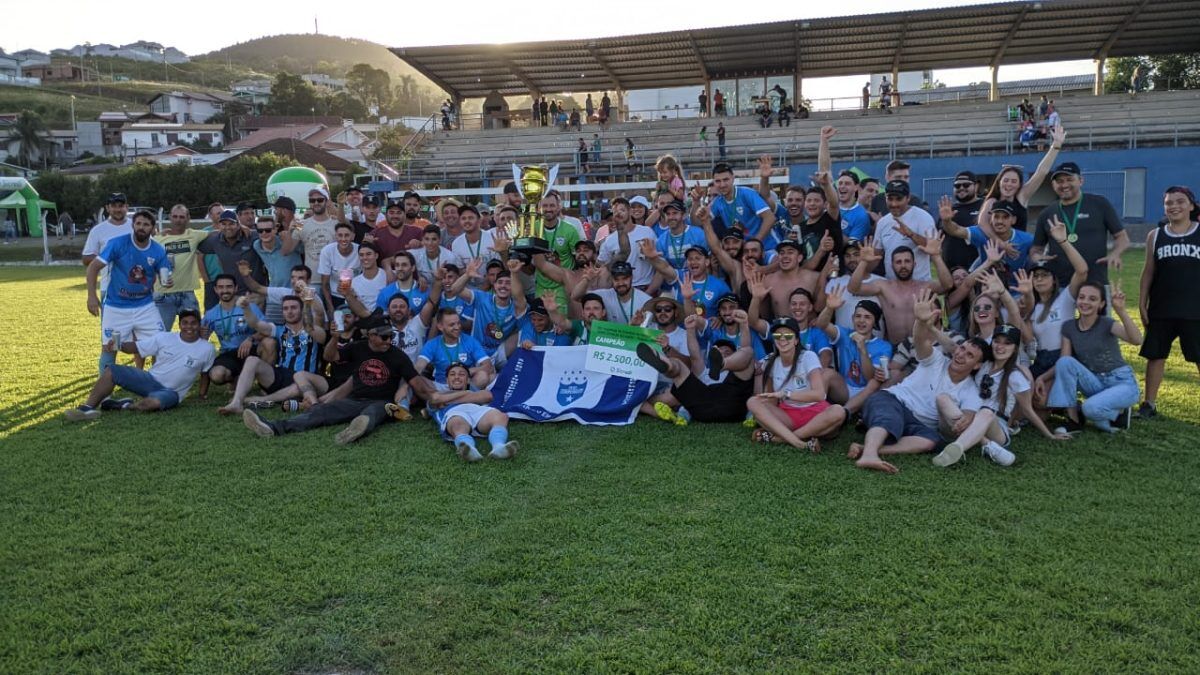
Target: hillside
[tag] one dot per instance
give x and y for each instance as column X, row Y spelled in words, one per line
column 54, row 105
column 303, row 53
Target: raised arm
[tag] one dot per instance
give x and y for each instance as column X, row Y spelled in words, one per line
column 923, row 331
column 1126, row 329
column 556, row 317
column 693, row 323
column 946, row 218
column 1079, row 266
column 765, row 170
column 833, row 302
column 933, row 248
column 1057, row 135
column 555, row 273
column 824, row 164
column 520, row 304
column 263, row 328
column 662, row 267
column 247, row 273
column 702, row 215
column 868, row 260
column 758, row 291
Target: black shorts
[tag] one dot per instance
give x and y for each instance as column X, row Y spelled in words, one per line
column 1161, row 333
column 884, row 410
column 229, row 360
column 283, row 379
column 722, row 402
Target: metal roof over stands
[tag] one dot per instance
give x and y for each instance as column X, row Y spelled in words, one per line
column 973, row 35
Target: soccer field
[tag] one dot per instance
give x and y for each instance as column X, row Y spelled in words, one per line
column 180, row 542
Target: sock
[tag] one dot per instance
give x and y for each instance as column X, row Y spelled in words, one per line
column 683, row 412
column 498, row 436
column 464, row 438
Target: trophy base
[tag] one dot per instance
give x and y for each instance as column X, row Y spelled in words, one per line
column 531, row 245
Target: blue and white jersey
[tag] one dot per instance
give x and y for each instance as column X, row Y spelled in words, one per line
column 674, row 247
column 708, row 293
column 856, row 222
column 230, row 325
column 745, row 209
column 548, row 338
column 468, row 351
column 849, row 360
column 780, row 230
column 465, row 312
column 297, row 351
column 132, row 271
column 440, row 413
column 416, row 297
column 813, row 339
column 493, row 323
column 1020, row 240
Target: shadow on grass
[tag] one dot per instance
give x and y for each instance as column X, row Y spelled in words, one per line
column 38, row 406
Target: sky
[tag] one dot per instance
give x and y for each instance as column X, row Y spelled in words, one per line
column 218, row 23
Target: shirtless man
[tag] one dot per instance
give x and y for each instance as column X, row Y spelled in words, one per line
column 791, row 276
column 897, row 295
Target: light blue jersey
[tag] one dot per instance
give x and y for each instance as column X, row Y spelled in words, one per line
column 849, row 360
column 468, row 351
column 745, row 210
column 493, row 323
column 674, row 247
column 416, row 297
column 132, row 271
column 230, row 325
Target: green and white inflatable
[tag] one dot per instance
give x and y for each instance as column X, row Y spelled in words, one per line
column 294, row 182
column 33, row 209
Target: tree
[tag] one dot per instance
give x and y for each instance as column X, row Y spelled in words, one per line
column 291, row 95
column 391, row 140
column 342, row 104
column 372, row 86
column 1118, row 71
column 30, row 133
column 1172, row 71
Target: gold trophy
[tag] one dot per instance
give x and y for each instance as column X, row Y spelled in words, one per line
column 528, row 230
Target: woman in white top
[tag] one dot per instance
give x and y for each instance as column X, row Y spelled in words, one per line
column 1003, row 387
column 792, row 407
column 1052, row 306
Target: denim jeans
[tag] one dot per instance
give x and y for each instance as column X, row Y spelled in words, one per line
column 1107, row 394
column 170, row 304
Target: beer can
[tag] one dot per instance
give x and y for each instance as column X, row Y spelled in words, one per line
column 339, row 320
column 116, row 338
column 165, row 276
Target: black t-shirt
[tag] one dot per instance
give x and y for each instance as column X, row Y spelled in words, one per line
column 958, row 252
column 811, row 234
column 377, row 375
column 1097, row 220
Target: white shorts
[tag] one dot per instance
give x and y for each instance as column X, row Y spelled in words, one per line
column 471, row 412
column 134, row 323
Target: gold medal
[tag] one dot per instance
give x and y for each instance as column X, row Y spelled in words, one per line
column 699, row 310
column 1072, row 237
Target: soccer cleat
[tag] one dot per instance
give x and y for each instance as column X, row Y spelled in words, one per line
column 256, row 424
column 1123, row 420
column 949, row 455
column 468, row 453
column 648, row 354
column 353, row 431
column 998, row 453
column 262, row 404
column 397, row 412
column 115, row 403
column 81, row 414
column 716, row 363
column 666, row 414
column 505, row 450
column 1147, row 410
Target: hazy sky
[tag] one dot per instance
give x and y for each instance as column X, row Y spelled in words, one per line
column 197, row 28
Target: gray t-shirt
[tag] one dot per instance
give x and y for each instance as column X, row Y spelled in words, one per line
column 1097, row 348
column 1097, row 220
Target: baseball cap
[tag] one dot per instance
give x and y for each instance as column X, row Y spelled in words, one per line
column 354, row 188
column 384, row 330
column 1042, row 265
column 788, row 243
column 371, row 200
column 640, row 201
column 897, row 187
column 1070, row 168
column 284, row 203
column 735, row 233
column 728, row 297
column 536, row 306
column 852, row 243
column 703, row 251
column 320, row 189
column 1005, row 206
column 621, row 269
column 229, row 214
column 675, row 204
column 395, row 204
column 967, row 176
column 786, row 322
column 1008, row 331
column 116, row 197
column 244, row 206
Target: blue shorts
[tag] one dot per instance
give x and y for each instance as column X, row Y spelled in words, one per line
column 885, row 411
column 143, row 384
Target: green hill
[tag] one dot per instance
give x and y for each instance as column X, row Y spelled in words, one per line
column 305, row 53
column 54, row 105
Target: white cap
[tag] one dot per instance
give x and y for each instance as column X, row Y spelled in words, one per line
column 321, row 190
column 640, row 200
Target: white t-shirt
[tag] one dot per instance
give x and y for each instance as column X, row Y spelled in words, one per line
column 426, row 267
column 315, row 235
column 809, row 362
column 481, row 249
column 332, row 262
column 1048, row 333
column 368, row 289
column 890, row 239
column 1017, row 384
column 919, row 391
column 643, row 271
column 98, row 238
column 621, row 311
column 577, row 224
column 844, row 316
column 177, row 364
column 412, row 338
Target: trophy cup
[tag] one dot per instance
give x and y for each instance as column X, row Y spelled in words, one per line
column 528, row 230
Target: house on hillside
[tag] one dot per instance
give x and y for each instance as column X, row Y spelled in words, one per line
column 138, row 138
column 61, row 146
column 31, row 57
column 191, row 106
column 342, row 136
column 256, row 94
column 322, row 81
column 111, row 124
column 300, row 151
column 10, row 66
column 244, row 125
column 55, row 72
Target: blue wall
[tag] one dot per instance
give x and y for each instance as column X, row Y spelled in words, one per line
column 1164, row 167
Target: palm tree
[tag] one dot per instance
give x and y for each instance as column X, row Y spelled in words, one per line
column 30, row 133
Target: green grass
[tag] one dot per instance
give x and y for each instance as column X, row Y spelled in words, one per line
column 178, row 542
column 54, row 105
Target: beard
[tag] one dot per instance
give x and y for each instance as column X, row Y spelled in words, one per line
column 903, row 275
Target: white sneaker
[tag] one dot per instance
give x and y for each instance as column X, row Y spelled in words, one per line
column 998, row 453
column 504, row 450
column 467, row 453
column 949, row 455
column 81, row 414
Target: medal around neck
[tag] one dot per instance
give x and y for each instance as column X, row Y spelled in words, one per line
column 529, row 229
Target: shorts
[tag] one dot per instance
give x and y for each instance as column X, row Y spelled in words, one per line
column 885, row 411
column 143, row 384
column 802, row 416
column 470, row 412
column 1044, row 361
column 1161, row 333
column 229, row 361
column 722, row 402
column 283, row 379
column 134, row 323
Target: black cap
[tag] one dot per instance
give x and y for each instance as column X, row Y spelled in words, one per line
column 244, row 206
column 1005, row 206
column 354, row 188
column 382, row 330
column 467, row 207
column 1008, row 331
column 696, row 247
column 189, row 312
column 788, row 243
column 872, row 307
column 675, row 204
column 371, row 200
column 396, row 203
column 967, row 176
column 1070, row 168
column 851, row 243
column 620, row 269
column 735, row 233
column 284, row 203
column 726, row 342
column 897, row 187
column 116, row 197
column 536, row 306
column 1043, row 265
column 511, row 189
column 786, row 322
column 728, row 297
column 588, row 297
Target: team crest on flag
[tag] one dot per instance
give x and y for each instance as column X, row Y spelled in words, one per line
column 571, row 387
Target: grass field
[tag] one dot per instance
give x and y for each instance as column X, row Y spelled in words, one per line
column 178, row 542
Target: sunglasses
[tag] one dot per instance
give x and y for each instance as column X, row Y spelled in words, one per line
column 265, row 230
column 664, row 308
column 984, row 308
column 962, row 186
column 783, row 337
column 985, row 387
column 316, row 201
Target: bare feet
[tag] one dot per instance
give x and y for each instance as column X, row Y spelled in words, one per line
column 230, row 409
column 855, row 451
column 877, row 465
column 813, row 445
